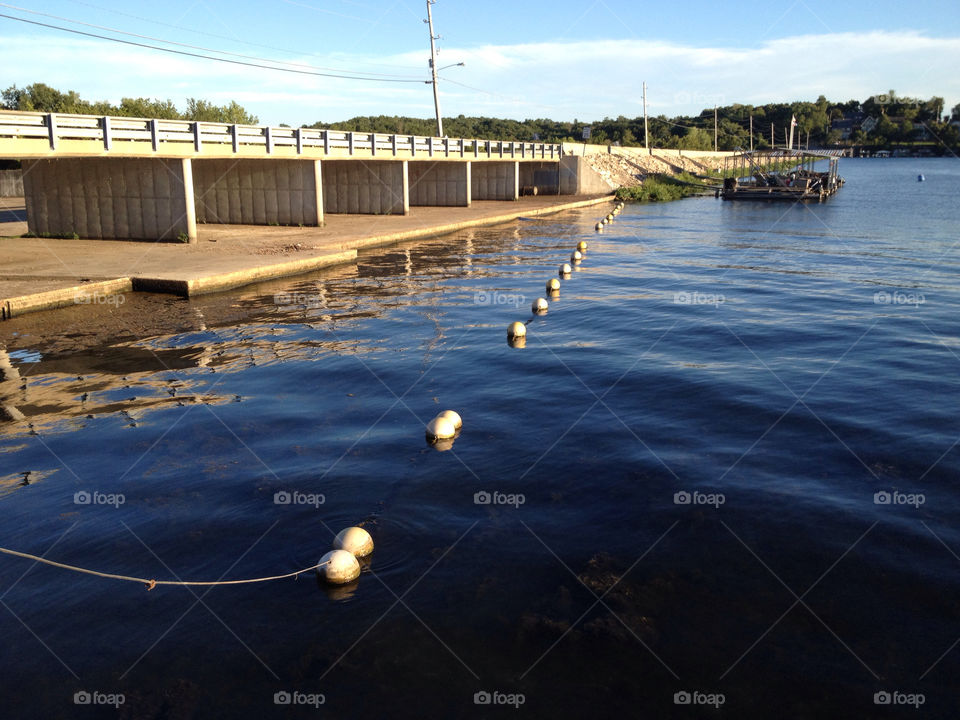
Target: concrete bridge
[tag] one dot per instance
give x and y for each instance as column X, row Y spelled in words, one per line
column 130, row 178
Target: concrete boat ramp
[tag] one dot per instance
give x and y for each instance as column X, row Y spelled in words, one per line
column 41, row 273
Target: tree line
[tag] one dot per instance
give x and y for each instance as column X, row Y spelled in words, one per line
column 43, row 98
column 896, row 119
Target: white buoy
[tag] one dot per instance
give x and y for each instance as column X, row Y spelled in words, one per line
column 517, row 329
column 452, row 417
column 355, row 540
column 576, row 256
column 599, row 227
column 339, row 567
column 582, row 245
column 565, row 269
column 553, row 285
column 441, row 428
column 610, row 217
column 539, row 306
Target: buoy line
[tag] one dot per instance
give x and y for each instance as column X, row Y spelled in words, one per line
column 150, row 583
column 341, row 564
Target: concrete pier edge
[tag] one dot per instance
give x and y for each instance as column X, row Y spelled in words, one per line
column 94, row 292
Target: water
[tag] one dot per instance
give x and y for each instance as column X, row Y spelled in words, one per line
column 776, row 365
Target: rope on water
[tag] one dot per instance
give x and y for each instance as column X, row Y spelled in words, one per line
column 151, row 584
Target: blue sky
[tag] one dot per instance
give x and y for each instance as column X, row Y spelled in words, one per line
column 559, row 59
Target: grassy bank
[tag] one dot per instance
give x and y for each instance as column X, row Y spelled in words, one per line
column 663, row 188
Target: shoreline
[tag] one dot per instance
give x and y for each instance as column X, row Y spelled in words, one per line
column 67, row 272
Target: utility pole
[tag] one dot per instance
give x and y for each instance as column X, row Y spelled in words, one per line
column 714, row 128
column 773, row 145
column 751, row 133
column 646, row 134
column 433, row 68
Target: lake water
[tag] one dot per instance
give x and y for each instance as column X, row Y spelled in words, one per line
column 722, row 473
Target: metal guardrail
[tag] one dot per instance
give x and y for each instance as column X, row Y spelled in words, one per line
column 147, row 136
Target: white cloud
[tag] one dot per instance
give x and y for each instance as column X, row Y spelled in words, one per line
column 587, row 79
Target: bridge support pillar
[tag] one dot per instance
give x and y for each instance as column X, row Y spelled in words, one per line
column 440, row 183
column 189, row 204
column 113, row 198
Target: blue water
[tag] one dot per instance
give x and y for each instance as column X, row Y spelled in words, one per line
column 779, row 365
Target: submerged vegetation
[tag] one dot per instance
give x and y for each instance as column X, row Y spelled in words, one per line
column 663, row 188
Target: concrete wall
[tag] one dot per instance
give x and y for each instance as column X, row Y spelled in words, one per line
column 541, row 175
column 115, row 198
column 578, row 178
column 365, row 186
column 441, row 184
column 11, row 183
column 257, row 192
column 494, row 181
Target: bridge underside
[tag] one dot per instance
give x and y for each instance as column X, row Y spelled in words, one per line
column 164, row 199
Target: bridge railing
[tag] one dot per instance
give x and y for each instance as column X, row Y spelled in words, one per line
column 190, row 138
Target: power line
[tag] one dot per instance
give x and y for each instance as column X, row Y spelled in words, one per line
column 207, row 57
column 201, row 33
column 185, row 45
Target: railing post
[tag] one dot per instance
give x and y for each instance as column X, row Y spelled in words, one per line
column 299, row 141
column 373, row 144
column 513, row 149
column 413, row 146
column 52, row 130
column 235, row 137
column 462, row 143
column 446, row 147
column 500, row 143
column 326, row 142
column 107, row 135
column 523, row 149
column 155, row 134
column 489, row 149
column 430, row 145
column 268, row 137
column 393, row 142
column 476, row 148
column 197, row 141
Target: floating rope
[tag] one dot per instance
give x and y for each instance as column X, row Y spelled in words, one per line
column 151, row 584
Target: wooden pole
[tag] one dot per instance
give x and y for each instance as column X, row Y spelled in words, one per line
column 772, row 144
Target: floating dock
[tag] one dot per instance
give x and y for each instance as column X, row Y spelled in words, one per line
column 793, row 175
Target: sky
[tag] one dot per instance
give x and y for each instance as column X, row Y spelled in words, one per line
column 559, row 59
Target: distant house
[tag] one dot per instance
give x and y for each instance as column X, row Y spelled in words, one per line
column 851, row 122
